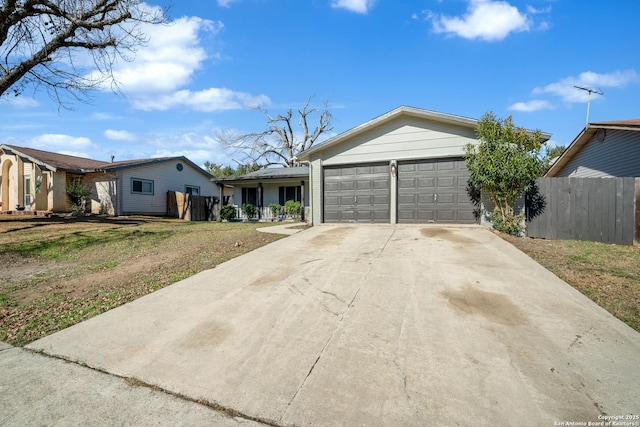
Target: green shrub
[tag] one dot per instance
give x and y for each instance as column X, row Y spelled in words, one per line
column 292, row 208
column 508, row 223
column 78, row 195
column 275, row 209
column 249, row 210
column 228, row 212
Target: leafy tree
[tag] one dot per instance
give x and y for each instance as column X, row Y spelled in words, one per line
column 552, row 154
column 279, row 144
column 504, row 164
column 78, row 195
column 226, row 171
column 43, row 43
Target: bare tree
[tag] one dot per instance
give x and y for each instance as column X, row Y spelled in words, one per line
column 279, row 144
column 44, row 43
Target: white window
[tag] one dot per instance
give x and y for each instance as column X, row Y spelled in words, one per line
column 141, row 186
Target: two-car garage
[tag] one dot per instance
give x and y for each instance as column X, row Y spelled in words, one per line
column 405, row 166
column 431, row 190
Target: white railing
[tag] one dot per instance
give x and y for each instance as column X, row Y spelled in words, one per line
column 266, row 214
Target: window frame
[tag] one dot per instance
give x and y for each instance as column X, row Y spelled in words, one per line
column 188, row 187
column 282, row 193
column 249, row 193
column 142, row 182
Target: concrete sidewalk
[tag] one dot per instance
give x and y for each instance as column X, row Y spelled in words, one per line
column 373, row 325
column 36, row 389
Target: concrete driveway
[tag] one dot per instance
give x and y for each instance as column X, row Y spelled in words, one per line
column 374, row 325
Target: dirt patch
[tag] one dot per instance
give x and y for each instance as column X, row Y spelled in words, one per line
column 332, row 236
column 494, row 307
column 445, row 234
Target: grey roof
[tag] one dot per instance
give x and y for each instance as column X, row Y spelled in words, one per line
column 54, row 161
column 585, row 136
column 270, row 173
column 402, row 110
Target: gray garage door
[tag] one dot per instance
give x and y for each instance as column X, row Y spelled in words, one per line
column 357, row 193
column 434, row 191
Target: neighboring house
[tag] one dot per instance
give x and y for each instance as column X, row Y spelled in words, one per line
column 592, row 191
column 604, row 149
column 405, row 166
column 37, row 180
column 270, row 185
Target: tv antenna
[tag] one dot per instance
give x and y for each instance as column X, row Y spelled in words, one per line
column 586, row 89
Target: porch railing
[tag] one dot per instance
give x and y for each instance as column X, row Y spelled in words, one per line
column 266, row 214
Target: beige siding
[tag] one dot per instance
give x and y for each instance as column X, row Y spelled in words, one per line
column 103, row 192
column 404, row 138
column 617, row 156
column 58, row 194
column 165, row 177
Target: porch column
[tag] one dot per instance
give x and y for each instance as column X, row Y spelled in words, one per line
column 259, row 201
column 302, row 200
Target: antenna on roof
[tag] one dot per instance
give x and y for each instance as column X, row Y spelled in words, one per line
column 586, row 89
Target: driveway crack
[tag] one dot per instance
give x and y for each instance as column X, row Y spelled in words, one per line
column 339, row 325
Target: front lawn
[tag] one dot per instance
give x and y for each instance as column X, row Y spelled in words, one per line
column 57, row 272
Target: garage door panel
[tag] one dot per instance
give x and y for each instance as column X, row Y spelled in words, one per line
column 447, row 182
column 363, row 193
column 364, row 185
column 406, row 182
column 434, row 191
column 447, row 198
column 426, row 183
column 381, row 184
column 332, row 186
column 347, row 186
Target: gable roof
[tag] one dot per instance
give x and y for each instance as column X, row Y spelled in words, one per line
column 126, row 164
column 299, row 172
column 47, row 160
column 54, row 161
column 398, row 112
column 585, row 136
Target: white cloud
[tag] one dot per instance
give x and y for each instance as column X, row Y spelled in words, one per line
column 157, row 76
column 358, row 6
column 484, row 19
column 63, row 144
column 531, row 106
column 119, row 135
column 212, row 99
column 226, row 3
column 565, row 88
column 20, row 101
column 169, row 59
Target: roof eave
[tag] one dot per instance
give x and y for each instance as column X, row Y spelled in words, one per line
column 583, row 137
column 402, row 110
column 13, row 151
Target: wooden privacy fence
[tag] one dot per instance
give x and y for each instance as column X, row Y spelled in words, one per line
column 598, row 209
column 190, row 207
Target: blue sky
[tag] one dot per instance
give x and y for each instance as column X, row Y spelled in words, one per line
column 217, row 60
